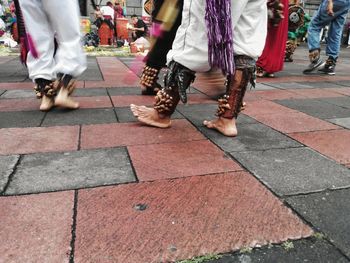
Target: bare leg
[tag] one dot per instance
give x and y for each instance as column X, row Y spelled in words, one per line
column 225, row 126
column 150, row 116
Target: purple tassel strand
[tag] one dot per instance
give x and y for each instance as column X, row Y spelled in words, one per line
column 220, row 35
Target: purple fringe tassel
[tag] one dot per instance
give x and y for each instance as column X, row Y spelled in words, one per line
column 220, row 39
column 31, row 46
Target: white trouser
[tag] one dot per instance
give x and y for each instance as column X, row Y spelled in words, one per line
column 249, row 24
column 49, row 19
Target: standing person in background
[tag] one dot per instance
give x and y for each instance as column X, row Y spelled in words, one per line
column 54, row 75
column 332, row 12
column 164, row 27
column 272, row 58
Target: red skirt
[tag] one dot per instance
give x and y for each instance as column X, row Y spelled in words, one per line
column 272, row 58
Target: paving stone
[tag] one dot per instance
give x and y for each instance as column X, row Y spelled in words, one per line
column 317, row 93
column 71, row 170
column 90, row 92
column 277, row 94
column 251, row 137
column 265, row 107
column 125, row 115
column 112, row 135
column 306, row 250
column 168, row 220
column 334, row 144
column 18, row 94
column 262, row 86
column 293, row 85
column 58, row 117
column 344, row 122
column 2, row 91
column 7, row 164
column 295, row 170
column 37, row 228
column 126, row 100
column 92, row 71
column 342, row 91
column 124, row 91
column 197, row 113
column 21, row 119
column 33, row 140
column 16, row 85
column 329, row 212
column 294, row 122
column 175, row 160
column 13, row 71
column 317, row 108
column 341, row 101
column 94, row 102
column 25, row 104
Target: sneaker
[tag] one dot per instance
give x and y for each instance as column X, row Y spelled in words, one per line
column 329, row 67
column 313, row 66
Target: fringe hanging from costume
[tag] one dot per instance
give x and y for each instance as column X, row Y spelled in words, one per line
column 220, row 35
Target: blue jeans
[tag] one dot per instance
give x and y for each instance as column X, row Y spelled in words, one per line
column 336, row 23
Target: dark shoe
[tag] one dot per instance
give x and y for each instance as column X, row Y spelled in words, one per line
column 313, row 66
column 329, row 67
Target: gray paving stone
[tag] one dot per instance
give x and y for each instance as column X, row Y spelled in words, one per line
column 307, row 250
column 124, row 91
column 340, row 101
column 72, row 170
column 294, row 170
column 18, row 94
column 20, row 119
column 124, row 114
column 77, row 117
column 7, row 164
column 13, row 71
column 93, row 70
column 90, row 92
column 344, row 122
column 292, row 85
column 262, row 86
column 329, row 212
column 251, row 137
column 197, row 113
column 344, row 83
column 316, row 108
column 2, row 91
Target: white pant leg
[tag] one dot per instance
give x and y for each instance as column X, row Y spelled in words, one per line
column 190, row 47
column 38, row 27
column 249, row 20
column 65, row 20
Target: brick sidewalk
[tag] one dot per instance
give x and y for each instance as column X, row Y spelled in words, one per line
column 93, row 185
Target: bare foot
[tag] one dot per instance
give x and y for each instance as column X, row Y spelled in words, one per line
column 225, row 126
column 150, row 116
column 46, row 103
column 63, row 100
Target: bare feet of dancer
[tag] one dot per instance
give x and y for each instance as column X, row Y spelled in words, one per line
column 225, row 126
column 46, row 103
column 150, row 116
column 63, row 100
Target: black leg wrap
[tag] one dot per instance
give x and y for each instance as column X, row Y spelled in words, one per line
column 45, row 87
column 231, row 103
column 180, row 77
column 66, row 81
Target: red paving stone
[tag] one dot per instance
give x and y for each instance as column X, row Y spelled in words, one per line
column 94, row 102
column 25, row 104
column 334, row 144
column 317, row 93
column 16, row 85
column 183, row 218
column 293, row 122
column 261, row 107
column 33, row 140
column 36, row 228
column 277, row 94
column 343, row 91
column 126, row 100
column 124, row 134
column 173, row 160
